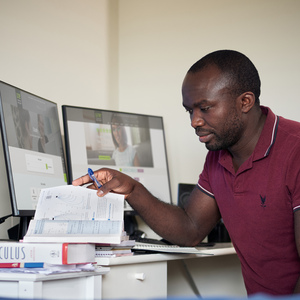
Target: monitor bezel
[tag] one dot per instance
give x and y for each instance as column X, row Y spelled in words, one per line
column 67, row 144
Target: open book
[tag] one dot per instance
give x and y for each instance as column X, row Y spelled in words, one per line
column 73, row 214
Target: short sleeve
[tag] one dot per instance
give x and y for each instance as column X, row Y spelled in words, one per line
column 203, row 182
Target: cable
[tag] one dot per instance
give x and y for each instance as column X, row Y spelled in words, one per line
column 2, row 220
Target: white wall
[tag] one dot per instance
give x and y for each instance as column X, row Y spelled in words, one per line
column 62, row 50
column 160, row 40
column 133, row 54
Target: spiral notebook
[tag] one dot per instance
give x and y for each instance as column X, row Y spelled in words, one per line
column 168, row 248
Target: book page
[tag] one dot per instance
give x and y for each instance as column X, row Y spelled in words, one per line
column 76, row 214
column 78, row 203
column 71, row 231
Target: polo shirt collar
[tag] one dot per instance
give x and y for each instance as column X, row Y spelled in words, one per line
column 268, row 134
column 263, row 146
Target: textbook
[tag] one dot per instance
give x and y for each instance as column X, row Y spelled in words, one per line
column 51, row 253
column 75, row 214
column 113, row 252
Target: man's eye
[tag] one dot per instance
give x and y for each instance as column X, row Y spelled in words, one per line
column 206, row 108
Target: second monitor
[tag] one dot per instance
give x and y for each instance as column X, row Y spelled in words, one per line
column 131, row 143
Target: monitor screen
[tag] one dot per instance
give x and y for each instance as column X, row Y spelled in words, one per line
column 32, row 146
column 131, row 143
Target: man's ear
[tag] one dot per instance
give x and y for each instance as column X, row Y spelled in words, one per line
column 247, row 101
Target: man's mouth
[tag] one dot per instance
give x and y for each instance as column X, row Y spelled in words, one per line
column 204, row 136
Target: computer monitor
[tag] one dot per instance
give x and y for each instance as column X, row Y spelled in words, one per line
column 32, row 146
column 131, row 143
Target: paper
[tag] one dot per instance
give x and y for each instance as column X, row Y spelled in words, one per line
column 52, row 269
column 76, row 214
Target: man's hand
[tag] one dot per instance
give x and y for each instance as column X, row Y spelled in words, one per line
column 111, row 180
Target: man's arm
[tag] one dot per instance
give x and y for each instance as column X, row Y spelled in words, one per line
column 187, row 226
column 297, row 238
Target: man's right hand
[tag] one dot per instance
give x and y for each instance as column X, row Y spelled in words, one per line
column 111, row 180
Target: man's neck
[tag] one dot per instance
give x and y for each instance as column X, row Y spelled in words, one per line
column 244, row 150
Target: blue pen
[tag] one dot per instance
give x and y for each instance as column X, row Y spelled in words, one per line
column 93, row 177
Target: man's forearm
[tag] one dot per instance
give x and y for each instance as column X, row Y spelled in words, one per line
column 168, row 221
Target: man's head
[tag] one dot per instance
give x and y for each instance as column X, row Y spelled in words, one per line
column 237, row 67
column 221, row 93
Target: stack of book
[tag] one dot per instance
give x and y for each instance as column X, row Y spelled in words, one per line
column 69, row 221
column 57, row 257
column 122, row 249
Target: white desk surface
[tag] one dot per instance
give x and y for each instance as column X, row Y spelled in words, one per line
column 218, row 250
column 43, row 277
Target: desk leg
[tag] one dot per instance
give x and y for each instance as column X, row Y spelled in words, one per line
column 29, row 289
column 191, row 279
column 93, row 287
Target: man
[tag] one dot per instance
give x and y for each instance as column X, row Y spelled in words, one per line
column 250, row 178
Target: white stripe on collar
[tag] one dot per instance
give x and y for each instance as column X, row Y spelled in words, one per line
column 273, row 134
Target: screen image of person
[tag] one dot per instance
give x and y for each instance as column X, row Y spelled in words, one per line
column 124, row 154
column 122, row 140
column 43, row 139
column 23, row 127
column 30, row 130
column 250, row 178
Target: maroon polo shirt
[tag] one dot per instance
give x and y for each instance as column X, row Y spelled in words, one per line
column 257, row 204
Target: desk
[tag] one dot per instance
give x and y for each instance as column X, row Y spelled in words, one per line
column 78, row 285
column 215, row 272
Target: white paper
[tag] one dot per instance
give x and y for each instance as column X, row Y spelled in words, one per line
column 52, row 269
column 78, row 203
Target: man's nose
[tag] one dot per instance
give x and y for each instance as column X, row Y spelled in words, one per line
column 197, row 120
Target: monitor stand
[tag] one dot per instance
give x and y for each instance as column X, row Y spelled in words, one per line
column 18, row 231
column 130, row 223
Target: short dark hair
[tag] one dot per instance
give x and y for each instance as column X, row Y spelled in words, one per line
column 241, row 71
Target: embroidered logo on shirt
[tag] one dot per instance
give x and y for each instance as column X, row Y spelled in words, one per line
column 263, row 201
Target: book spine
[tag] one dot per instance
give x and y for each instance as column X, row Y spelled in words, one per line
column 22, row 265
column 64, row 253
column 14, row 252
